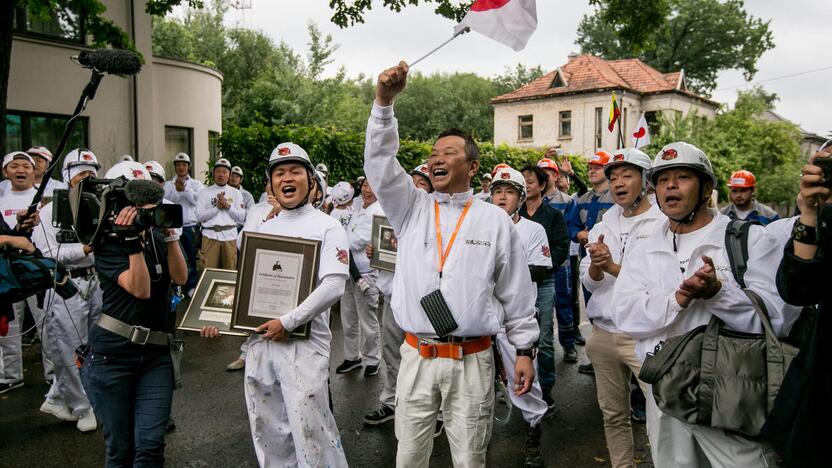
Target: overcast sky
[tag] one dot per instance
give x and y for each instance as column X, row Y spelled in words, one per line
column 386, row 37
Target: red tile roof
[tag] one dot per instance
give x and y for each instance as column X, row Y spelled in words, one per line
column 586, row 73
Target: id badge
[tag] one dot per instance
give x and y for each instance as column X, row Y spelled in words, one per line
column 438, row 313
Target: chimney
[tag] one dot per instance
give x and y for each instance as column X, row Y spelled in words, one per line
column 573, row 55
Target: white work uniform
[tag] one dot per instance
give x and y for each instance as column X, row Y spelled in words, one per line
column 248, row 198
column 187, row 198
column 342, row 215
column 613, row 353
column 209, row 216
column 645, row 307
column 485, row 283
column 68, row 320
column 392, row 337
column 286, row 381
column 359, row 310
column 536, row 245
column 51, row 185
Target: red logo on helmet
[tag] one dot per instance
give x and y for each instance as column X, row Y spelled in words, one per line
column 138, row 174
column 283, row 150
column 669, row 154
column 86, row 157
column 618, row 157
column 505, row 175
column 423, row 169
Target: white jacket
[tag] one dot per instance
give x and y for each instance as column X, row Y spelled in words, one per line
column 208, row 215
column 486, row 279
column 187, row 198
column 599, row 307
column 644, row 301
column 360, row 233
column 44, row 236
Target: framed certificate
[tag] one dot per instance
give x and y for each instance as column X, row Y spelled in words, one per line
column 213, row 302
column 276, row 274
column 385, row 244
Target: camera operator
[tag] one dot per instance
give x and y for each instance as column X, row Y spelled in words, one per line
column 69, row 320
column 127, row 371
column 797, row 423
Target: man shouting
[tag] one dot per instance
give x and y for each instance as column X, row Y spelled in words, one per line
column 461, row 276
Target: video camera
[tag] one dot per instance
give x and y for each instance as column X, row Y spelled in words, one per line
column 87, row 212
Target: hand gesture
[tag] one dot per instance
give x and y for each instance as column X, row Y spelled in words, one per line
column 272, row 330
column 179, row 184
column 702, row 285
column 126, row 216
column 583, row 237
column 523, row 375
column 222, row 203
column 599, row 253
column 25, row 221
column 812, row 181
column 565, row 166
column 552, row 153
column 390, row 83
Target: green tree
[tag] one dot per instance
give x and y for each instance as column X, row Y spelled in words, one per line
column 512, row 79
column 703, row 37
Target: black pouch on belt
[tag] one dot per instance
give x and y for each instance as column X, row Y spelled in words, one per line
column 439, row 313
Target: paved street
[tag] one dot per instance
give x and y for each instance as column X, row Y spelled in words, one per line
column 213, row 431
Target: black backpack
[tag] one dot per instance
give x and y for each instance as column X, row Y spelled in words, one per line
column 23, row 275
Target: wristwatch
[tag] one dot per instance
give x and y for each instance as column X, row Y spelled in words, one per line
column 805, row 234
column 531, row 352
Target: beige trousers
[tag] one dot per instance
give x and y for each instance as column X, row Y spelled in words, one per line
column 463, row 390
column 613, row 356
column 217, row 254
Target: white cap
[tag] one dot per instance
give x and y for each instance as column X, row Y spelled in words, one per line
column 154, row 168
column 41, row 151
column 631, row 156
column 126, row 157
column 237, row 170
column 509, row 176
column 222, row 162
column 182, row 157
column 681, row 154
column 78, row 160
column 288, row 152
column 7, row 159
column 130, row 170
column 342, row 193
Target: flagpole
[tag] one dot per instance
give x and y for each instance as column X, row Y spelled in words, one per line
column 456, row 34
column 620, row 121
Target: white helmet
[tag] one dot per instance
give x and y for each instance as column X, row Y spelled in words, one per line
column 126, row 157
column 633, row 157
column 320, row 180
column 77, row 160
column 155, row 169
column 509, row 176
column 422, row 170
column 681, row 154
column 289, row 152
column 237, row 170
column 342, row 193
column 321, row 167
column 130, row 170
column 222, row 162
column 182, row 157
column 41, row 151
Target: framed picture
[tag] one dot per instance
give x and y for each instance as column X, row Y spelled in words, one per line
column 276, row 274
column 385, row 245
column 213, row 302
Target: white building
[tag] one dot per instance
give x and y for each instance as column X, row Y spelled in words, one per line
column 170, row 106
column 569, row 107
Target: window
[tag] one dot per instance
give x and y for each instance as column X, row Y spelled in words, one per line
column 653, row 124
column 213, row 146
column 565, row 120
column 27, row 129
column 178, row 140
column 526, row 127
column 62, row 24
column 599, row 127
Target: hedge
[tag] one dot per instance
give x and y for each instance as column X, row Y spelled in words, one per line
column 343, row 152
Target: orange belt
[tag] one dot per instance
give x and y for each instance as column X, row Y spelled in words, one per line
column 430, row 349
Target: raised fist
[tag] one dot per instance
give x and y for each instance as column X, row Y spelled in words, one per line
column 390, row 83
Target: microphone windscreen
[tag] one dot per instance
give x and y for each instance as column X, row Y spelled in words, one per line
column 143, row 192
column 114, row 61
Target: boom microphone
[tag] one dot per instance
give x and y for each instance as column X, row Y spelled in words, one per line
column 143, row 192
column 114, row 61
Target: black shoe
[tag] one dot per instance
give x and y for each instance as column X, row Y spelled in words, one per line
column 348, row 366
column 547, row 397
column 27, row 339
column 638, row 414
column 637, row 406
column 531, row 451
column 370, row 371
column 5, row 387
column 380, row 416
column 171, row 426
column 440, row 426
column 570, row 355
column 586, row 369
column 580, row 340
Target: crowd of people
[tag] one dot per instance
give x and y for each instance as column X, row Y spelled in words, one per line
column 481, row 281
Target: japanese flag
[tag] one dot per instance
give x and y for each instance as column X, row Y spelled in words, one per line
column 509, row 22
column 641, row 135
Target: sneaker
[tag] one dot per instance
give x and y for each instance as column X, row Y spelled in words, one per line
column 437, row 431
column 380, row 416
column 348, row 366
column 59, row 411
column 237, row 364
column 570, row 355
column 580, row 340
column 533, row 458
column 547, row 397
column 5, row 387
column 370, row 371
column 637, row 406
column 27, row 340
column 637, row 414
column 586, row 369
column 87, row 422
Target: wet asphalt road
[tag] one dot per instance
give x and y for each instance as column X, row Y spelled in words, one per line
column 212, row 426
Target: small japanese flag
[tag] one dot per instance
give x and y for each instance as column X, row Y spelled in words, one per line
column 509, row 22
column 641, row 135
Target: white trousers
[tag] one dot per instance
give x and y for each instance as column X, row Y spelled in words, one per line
column 38, row 315
column 391, row 340
column 11, row 348
column 288, row 405
column 674, row 443
column 462, row 389
column 66, row 328
column 359, row 320
column 531, row 404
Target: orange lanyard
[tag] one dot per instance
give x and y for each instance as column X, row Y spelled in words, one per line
column 444, row 255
